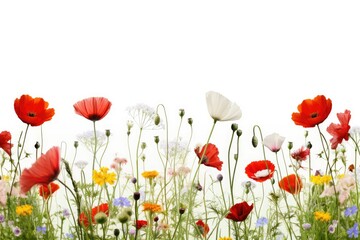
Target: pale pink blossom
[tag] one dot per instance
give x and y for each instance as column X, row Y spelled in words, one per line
column 273, row 142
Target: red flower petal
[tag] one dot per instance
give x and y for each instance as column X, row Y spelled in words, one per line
column 260, row 171
column 291, row 184
column 312, row 111
column 94, row 108
column 211, row 156
column 33, row 111
column 43, row 171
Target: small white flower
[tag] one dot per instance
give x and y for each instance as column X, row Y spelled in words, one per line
column 144, row 116
column 222, row 109
column 273, row 142
column 81, row 164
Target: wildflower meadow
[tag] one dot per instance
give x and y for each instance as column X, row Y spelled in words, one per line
column 307, row 189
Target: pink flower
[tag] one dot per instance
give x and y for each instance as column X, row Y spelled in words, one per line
column 301, row 154
column 339, row 131
column 273, row 142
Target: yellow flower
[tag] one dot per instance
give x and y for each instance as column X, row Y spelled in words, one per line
column 6, row 178
column 24, row 210
column 150, row 174
column 320, row 180
column 152, row 207
column 103, row 176
column 322, row 216
column 225, row 238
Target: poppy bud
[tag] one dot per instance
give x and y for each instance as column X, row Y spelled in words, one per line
column 290, row 145
column 309, row 145
column 254, row 141
column 234, row 127
column 306, row 133
column 156, row 218
column 181, row 112
column 156, row 139
column 157, row 119
column 133, row 180
column 236, row 156
column 238, row 132
column 107, row 132
column 190, row 121
column 76, row 144
column 37, row 145
column 219, row 177
column 143, row 145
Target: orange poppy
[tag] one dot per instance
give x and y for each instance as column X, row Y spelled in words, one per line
column 43, row 171
column 211, row 156
column 84, row 219
column 33, row 111
column 46, row 190
column 312, row 111
column 260, row 171
column 94, row 108
column 291, row 184
column 5, row 144
column 340, row 131
column 203, row 227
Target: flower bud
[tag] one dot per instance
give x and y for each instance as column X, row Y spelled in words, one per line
column 133, row 180
column 156, row 218
column 123, row 217
column 238, row 132
column 100, row 218
column 190, row 121
column 156, row 139
column 37, row 145
column 157, row 119
column 306, row 133
column 116, row 232
column 136, row 196
column 143, row 145
column 219, row 177
column 272, row 181
column 107, row 132
column 254, row 141
column 236, row 157
column 182, row 211
column 309, row 145
column 198, row 187
column 181, row 112
column 290, row 145
column 234, row 127
column 128, row 211
column 76, row 144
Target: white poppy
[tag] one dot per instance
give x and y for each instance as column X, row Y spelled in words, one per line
column 222, row 109
column 273, row 142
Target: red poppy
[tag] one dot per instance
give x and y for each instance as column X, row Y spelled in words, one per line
column 43, row 171
column 301, row 154
column 312, row 111
column 291, row 183
column 260, row 171
column 211, row 157
column 94, row 108
column 339, row 131
column 33, row 111
column 46, row 190
column 140, row 224
column 5, row 137
column 84, row 218
column 203, row 227
column 239, row 211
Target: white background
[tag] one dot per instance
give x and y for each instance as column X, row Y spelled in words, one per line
column 265, row 55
